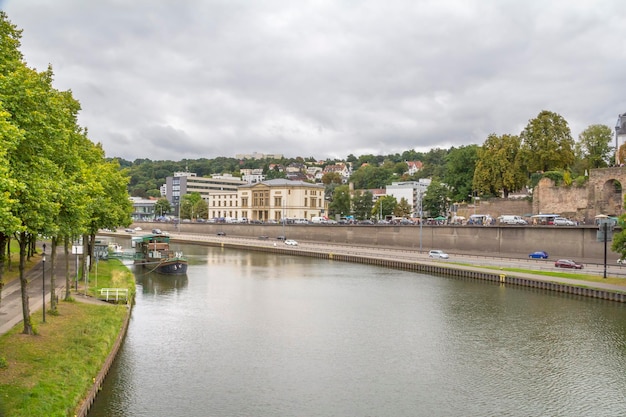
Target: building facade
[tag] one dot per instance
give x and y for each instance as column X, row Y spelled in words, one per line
column 411, row 191
column 279, row 199
column 188, row 182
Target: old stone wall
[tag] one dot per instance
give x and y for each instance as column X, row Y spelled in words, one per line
column 568, row 201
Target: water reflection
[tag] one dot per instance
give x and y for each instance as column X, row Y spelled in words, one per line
column 154, row 283
column 257, row 334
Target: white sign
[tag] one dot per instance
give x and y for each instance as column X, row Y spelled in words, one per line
column 77, row 250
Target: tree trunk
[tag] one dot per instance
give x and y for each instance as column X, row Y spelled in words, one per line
column 53, row 257
column 68, row 282
column 23, row 241
column 85, row 261
column 3, row 242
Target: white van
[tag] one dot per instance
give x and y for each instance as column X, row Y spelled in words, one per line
column 508, row 219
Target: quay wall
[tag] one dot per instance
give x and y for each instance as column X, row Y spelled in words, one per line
column 585, row 289
column 560, row 242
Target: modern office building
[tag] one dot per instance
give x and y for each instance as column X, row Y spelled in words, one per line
column 188, row 182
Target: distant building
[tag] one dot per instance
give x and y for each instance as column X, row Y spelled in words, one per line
column 258, row 155
column 414, row 167
column 252, row 176
column 281, row 198
column 342, row 169
column 143, row 208
column 411, row 191
column 183, row 183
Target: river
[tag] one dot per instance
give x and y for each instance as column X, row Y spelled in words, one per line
column 257, row 334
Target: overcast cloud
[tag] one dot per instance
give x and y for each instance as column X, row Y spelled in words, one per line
column 163, row 79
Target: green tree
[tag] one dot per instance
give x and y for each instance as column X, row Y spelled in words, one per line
column 594, row 147
column 403, row 209
column 192, row 206
column 384, row 207
column 362, row 204
column 435, row 200
column 161, row 207
column 332, row 178
column 340, row 205
column 499, row 166
column 547, row 143
column 459, row 171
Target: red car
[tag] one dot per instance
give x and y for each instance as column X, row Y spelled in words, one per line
column 567, row 263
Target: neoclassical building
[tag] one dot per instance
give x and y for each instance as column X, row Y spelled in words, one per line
column 270, row 200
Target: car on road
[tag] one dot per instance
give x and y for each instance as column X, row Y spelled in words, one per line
column 130, row 230
column 157, row 232
column 568, row 263
column 221, row 233
column 562, row 221
column 281, row 237
column 291, row 242
column 438, row 254
column 539, row 255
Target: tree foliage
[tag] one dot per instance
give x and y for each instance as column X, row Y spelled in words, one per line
column 594, row 146
column 547, row 143
column 459, row 171
column 499, row 166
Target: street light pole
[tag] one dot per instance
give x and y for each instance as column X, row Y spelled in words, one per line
column 43, row 282
column 420, row 194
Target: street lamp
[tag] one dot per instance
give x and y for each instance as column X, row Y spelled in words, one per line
column 420, row 206
column 43, row 282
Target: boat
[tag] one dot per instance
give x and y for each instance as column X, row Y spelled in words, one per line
column 153, row 251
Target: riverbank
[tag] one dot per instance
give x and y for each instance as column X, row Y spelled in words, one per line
column 58, row 371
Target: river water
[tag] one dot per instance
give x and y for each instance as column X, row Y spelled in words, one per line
column 257, row 334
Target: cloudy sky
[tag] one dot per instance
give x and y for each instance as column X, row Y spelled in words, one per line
column 163, row 79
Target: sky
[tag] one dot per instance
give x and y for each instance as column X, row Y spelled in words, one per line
column 170, row 80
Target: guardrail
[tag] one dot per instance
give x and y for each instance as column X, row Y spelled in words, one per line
column 113, row 294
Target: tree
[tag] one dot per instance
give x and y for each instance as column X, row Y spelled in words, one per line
column 192, row 206
column 341, row 201
column 384, row 207
column 498, row 166
column 162, row 206
column 435, row 201
column 547, row 143
column 403, row 209
column 459, row 171
column 594, row 147
column 332, row 178
column 362, row 204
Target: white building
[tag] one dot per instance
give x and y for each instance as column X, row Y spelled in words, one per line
column 411, row 191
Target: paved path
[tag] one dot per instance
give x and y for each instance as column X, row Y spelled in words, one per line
column 11, row 312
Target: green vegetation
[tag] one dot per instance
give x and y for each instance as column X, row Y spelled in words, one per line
column 583, row 278
column 54, row 181
column 49, row 374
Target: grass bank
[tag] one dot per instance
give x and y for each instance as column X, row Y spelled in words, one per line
column 50, row 373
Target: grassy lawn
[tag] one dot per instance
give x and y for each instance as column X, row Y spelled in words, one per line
column 50, row 373
column 583, row 278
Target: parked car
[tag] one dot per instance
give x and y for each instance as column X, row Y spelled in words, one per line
column 539, row 255
column 568, row 263
column 621, row 261
column 438, row 254
column 562, row 221
column 291, row 242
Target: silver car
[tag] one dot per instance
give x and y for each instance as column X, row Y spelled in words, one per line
column 438, row 254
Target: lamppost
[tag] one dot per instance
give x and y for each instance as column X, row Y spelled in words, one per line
column 43, row 282
column 420, row 207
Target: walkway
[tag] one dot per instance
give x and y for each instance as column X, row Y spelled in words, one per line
column 11, row 313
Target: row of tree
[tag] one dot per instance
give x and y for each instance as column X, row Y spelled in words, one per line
column 54, row 182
